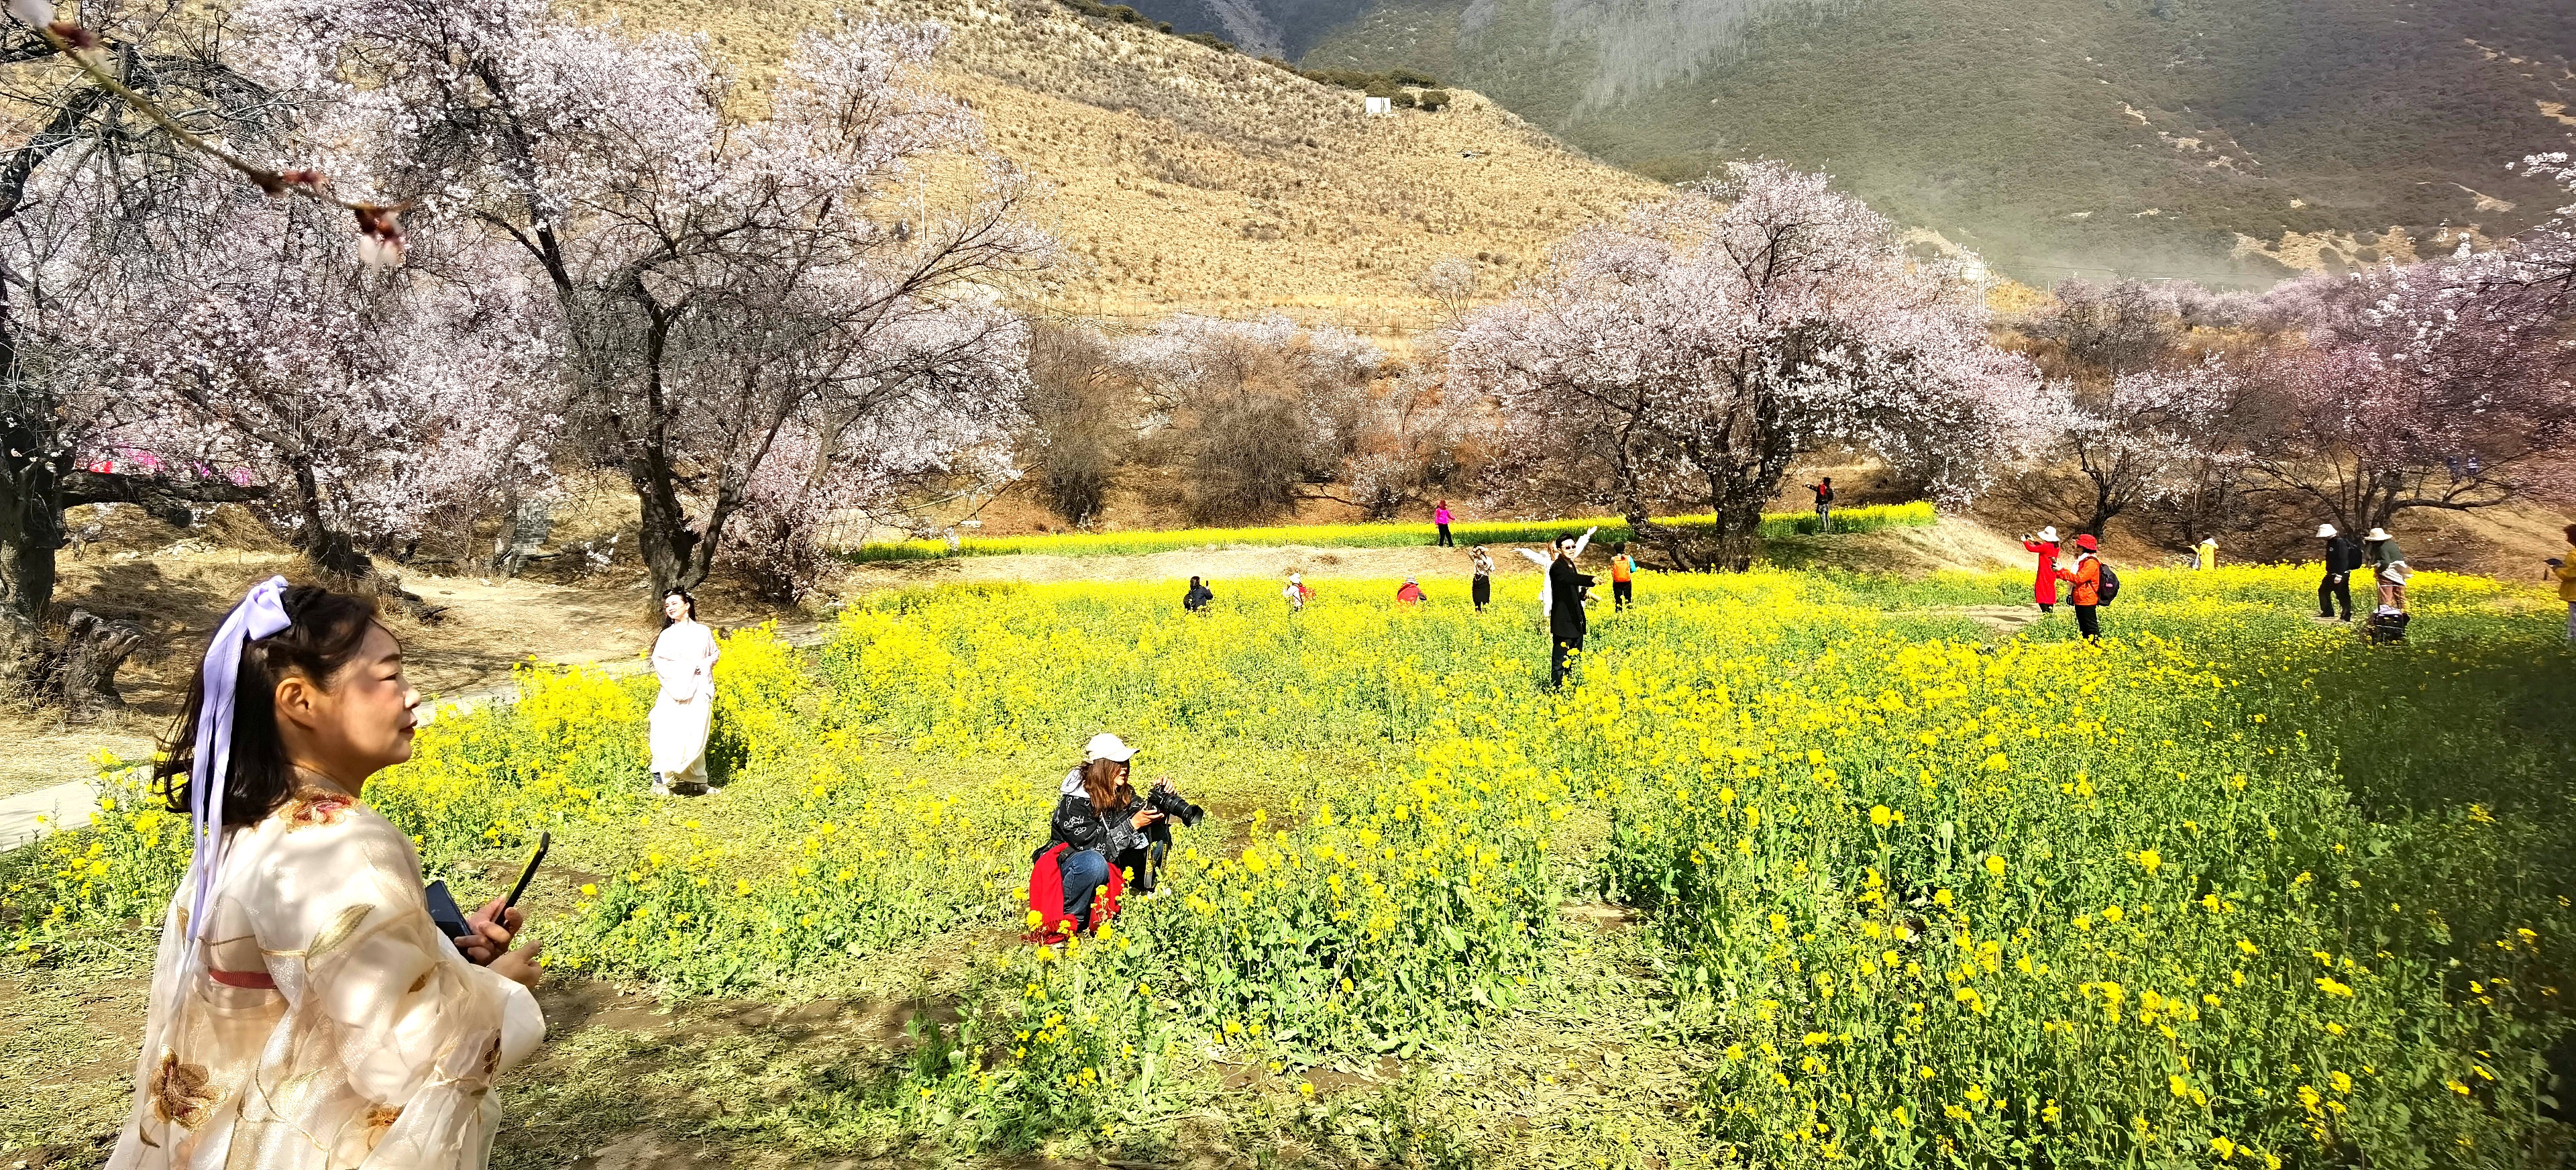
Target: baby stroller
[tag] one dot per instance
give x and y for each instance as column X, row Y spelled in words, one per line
column 2385, row 626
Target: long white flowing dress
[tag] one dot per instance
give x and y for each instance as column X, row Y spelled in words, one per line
column 325, row 1022
column 684, row 658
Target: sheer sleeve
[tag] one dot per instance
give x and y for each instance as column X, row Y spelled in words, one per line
column 381, row 996
column 1581, row 543
column 1535, row 557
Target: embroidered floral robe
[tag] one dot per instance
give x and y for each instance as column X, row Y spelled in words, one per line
column 330, row 1025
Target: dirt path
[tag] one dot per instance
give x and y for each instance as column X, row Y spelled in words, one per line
column 1950, row 544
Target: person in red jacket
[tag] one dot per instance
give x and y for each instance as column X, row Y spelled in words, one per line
column 2043, row 589
column 1411, row 594
column 2087, row 579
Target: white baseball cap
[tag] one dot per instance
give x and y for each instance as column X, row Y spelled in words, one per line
column 1105, row 746
column 2325, row 530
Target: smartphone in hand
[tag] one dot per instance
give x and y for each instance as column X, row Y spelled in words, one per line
column 544, row 840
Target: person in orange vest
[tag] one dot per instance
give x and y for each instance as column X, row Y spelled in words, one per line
column 2087, row 579
column 1623, row 573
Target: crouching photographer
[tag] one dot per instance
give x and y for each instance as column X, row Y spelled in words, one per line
column 1104, row 838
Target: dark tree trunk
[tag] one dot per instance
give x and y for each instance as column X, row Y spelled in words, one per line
column 31, row 529
column 330, row 549
column 666, row 543
column 93, row 650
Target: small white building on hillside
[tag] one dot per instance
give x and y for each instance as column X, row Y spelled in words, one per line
column 1379, row 105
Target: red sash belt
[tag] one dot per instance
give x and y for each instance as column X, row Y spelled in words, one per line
column 253, row 979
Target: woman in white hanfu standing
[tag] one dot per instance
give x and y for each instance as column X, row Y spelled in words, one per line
column 684, row 658
column 306, row 1013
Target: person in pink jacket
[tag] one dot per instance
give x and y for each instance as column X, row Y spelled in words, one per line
column 2044, row 589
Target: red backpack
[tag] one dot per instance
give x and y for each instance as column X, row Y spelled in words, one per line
column 1046, row 896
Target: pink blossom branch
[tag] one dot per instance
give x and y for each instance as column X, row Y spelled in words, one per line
column 380, row 237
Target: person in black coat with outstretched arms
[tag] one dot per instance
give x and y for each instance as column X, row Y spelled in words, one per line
column 1562, row 601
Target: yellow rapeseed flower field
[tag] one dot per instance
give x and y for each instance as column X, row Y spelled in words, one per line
column 2229, row 887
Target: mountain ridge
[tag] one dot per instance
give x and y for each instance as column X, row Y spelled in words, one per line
column 2231, row 141
column 1186, row 178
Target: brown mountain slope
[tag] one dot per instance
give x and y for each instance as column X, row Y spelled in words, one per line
column 1185, row 177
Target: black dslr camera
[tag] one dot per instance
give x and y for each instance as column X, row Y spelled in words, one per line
column 1173, row 805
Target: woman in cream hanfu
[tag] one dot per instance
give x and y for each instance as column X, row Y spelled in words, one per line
column 684, row 658
column 305, row 1011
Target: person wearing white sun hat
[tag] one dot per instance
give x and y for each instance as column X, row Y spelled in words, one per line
column 1107, row 762
column 2342, row 557
column 2043, row 589
column 2390, row 568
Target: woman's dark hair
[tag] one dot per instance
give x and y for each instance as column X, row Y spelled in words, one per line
column 2571, row 534
column 685, row 599
column 323, row 637
column 1100, row 783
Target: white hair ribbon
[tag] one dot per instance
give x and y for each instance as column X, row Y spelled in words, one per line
column 261, row 614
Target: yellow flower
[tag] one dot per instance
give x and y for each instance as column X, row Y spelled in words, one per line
column 1994, row 865
column 2149, row 860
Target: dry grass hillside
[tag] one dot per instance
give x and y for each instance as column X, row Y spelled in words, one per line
column 1185, row 177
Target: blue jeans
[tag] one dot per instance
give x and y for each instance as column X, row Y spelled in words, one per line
column 1085, row 871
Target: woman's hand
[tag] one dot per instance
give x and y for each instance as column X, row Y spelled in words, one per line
column 494, row 926
column 1144, row 817
column 520, row 966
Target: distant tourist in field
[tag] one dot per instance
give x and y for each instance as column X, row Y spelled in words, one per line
column 1824, row 503
column 684, row 659
column 2087, row 579
column 2390, row 567
column 1440, row 516
column 2563, row 567
column 305, row 1010
column 1197, row 599
column 2205, row 557
column 2043, row 589
column 1560, row 597
column 1481, row 587
column 2342, row 557
column 1410, row 593
column 1297, row 594
column 1623, row 575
